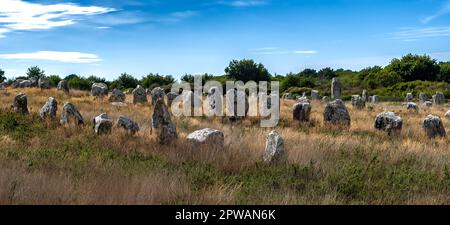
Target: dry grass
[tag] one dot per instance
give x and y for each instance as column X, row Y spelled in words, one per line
column 44, row 163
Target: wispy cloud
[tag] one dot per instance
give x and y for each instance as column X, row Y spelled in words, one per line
column 414, row 34
column 244, row 3
column 277, row 51
column 22, row 15
column 66, row 57
column 442, row 11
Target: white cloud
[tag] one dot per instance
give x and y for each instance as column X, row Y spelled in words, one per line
column 414, row 34
column 277, row 51
column 444, row 10
column 307, row 52
column 21, row 15
column 66, row 57
column 244, row 3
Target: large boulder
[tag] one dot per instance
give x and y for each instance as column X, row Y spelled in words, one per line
column 162, row 122
column 139, row 95
column 389, row 122
column 336, row 88
column 336, row 113
column 315, row 95
column 99, row 89
column 49, row 109
column 69, row 113
column 412, row 107
column 102, row 124
column 274, row 147
column 129, row 125
column 44, row 83
column 409, row 97
column 63, row 85
column 439, row 98
column 301, row 111
column 433, row 127
column 117, row 96
column 423, row 97
column 22, row 83
column 365, row 96
column 157, row 93
column 20, row 104
column 208, row 136
column 358, row 102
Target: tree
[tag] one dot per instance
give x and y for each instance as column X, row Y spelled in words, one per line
column 124, row 81
column 155, row 80
column 190, row 78
column 308, row 73
column 76, row 82
column 247, row 70
column 415, row 67
column 291, row 80
column 326, row 73
column 369, row 71
column 381, row 78
column 94, row 79
column 35, row 72
column 444, row 73
column 54, row 80
column 2, row 76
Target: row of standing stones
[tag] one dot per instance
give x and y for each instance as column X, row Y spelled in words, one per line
column 335, row 113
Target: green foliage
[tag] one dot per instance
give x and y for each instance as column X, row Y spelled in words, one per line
column 124, row 81
column 247, row 70
column 20, row 127
column 326, row 73
column 299, row 90
column 414, row 67
column 35, row 72
column 2, row 76
column 382, row 78
column 76, row 82
column 444, row 72
column 152, row 80
column 54, row 80
column 205, row 77
column 400, row 90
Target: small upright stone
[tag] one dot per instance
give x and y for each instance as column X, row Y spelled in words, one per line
column 63, row 86
column 127, row 124
column 325, row 99
column 43, row 83
column 315, row 95
column 171, row 96
column 117, row 96
column 433, row 127
column 427, row 104
column 358, row 102
column 301, row 111
column 409, row 97
column 70, row 112
column 49, row 109
column 412, row 107
column 157, row 93
column 365, row 96
column 389, row 122
column 99, row 89
column 102, row 124
column 211, row 137
column 423, row 97
column 336, row 113
column 336, row 88
column 139, row 95
column 374, row 99
column 20, row 104
column 163, row 123
column 439, row 98
column 274, row 147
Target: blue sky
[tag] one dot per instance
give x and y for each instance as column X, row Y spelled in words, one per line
column 106, row 37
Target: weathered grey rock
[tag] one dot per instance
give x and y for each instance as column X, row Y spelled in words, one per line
column 358, row 102
column 211, row 137
column 43, row 83
column 412, row 107
column 99, row 89
column 439, row 98
column 157, row 93
column 301, row 111
column 303, row 98
column 365, row 96
column 20, row 104
column 171, row 96
column 49, row 109
column 315, row 95
column 389, row 122
column 139, row 95
column 409, row 97
column 433, row 127
column 427, row 104
column 63, row 85
column 162, row 122
column 325, row 99
column 423, row 97
column 447, row 114
column 374, row 99
column 127, row 124
column 336, row 113
column 23, row 83
column 274, row 147
column 336, row 88
column 117, row 96
column 215, row 106
column 288, row 96
column 69, row 113
column 102, row 124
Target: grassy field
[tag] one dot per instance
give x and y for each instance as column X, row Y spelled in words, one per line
column 42, row 162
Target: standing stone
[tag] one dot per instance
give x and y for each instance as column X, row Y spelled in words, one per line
column 427, row 104
column 409, row 97
column 70, row 112
column 423, row 97
column 235, row 98
column 439, row 98
column 358, row 102
column 20, row 104
column 412, row 107
column 49, row 109
column 447, row 114
column 208, row 136
column 325, row 99
column 433, row 127
column 215, row 105
column 336, row 88
column 301, row 111
column 22, row 83
column 139, row 95
column 63, row 86
column 127, row 124
column 117, row 96
column 163, row 123
column 157, row 93
column 288, row 96
column 365, row 96
column 274, row 147
column 336, row 113
column 374, row 99
column 389, row 122
column 171, row 96
column 99, row 89
column 102, row 124
column 315, row 95
column 43, row 83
